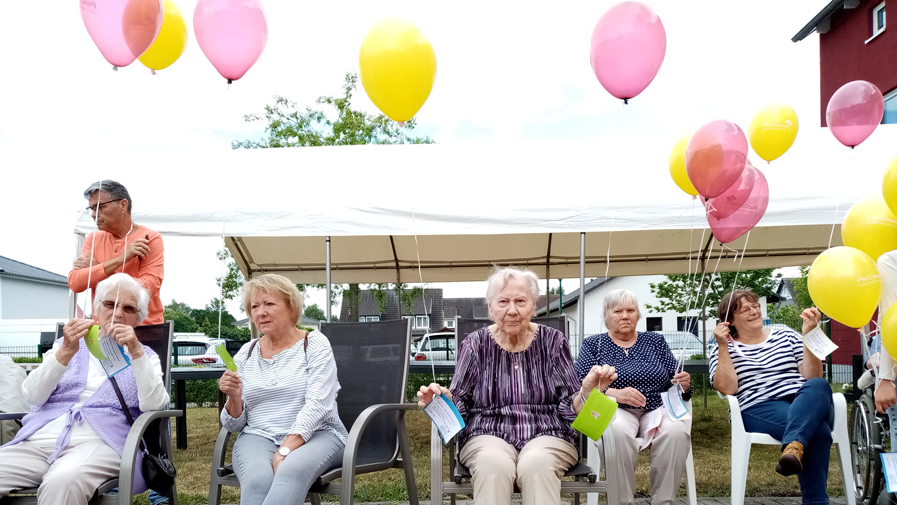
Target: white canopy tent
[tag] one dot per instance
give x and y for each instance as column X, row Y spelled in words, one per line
column 433, row 213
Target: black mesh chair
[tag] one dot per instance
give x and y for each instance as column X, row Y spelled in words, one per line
column 585, row 479
column 372, row 367
column 152, row 426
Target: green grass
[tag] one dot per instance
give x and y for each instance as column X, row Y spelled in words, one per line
column 710, row 442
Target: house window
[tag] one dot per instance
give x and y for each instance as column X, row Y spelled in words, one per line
column 421, row 322
column 449, row 323
column 890, row 116
column 368, row 319
column 878, row 21
column 692, row 324
column 654, row 323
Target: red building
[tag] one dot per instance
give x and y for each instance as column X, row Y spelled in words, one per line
column 855, row 44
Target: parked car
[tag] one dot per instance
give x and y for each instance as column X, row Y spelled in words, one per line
column 436, row 347
column 683, row 344
column 199, row 350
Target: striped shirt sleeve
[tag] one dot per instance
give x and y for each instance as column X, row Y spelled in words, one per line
column 236, row 424
column 321, row 390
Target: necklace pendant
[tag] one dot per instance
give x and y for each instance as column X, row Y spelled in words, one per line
column 516, row 367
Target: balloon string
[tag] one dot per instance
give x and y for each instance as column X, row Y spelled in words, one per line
column 834, row 221
column 734, row 284
column 690, row 279
column 123, row 263
column 221, row 292
column 93, row 242
column 701, row 283
column 423, row 297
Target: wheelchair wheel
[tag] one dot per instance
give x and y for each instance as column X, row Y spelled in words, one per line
column 865, row 447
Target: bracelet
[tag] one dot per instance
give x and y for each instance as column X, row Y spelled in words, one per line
column 582, row 397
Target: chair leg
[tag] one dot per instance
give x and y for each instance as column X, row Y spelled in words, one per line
column 846, row 469
column 741, row 454
column 405, row 447
column 314, row 498
column 690, row 478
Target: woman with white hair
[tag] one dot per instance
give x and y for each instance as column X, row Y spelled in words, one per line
column 517, row 391
column 72, row 440
column 645, row 367
column 282, row 399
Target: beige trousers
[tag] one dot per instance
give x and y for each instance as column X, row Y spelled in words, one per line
column 537, row 469
column 71, row 480
column 669, row 450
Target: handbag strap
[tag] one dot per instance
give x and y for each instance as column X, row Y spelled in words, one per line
column 252, row 346
column 127, row 412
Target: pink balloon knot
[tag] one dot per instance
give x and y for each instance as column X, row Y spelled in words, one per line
column 230, row 81
column 625, row 101
column 401, row 124
column 152, row 71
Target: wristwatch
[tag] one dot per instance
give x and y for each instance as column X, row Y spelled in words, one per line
column 283, row 451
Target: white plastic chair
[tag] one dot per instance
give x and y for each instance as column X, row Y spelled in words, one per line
column 595, row 462
column 742, row 441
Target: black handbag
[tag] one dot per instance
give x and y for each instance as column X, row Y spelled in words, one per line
column 158, row 470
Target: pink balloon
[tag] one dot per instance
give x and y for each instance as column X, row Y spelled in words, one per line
column 734, row 197
column 231, row 33
column 715, row 157
column 628, row 45
column 854, row 111
column 745, row 217
column 122, row 29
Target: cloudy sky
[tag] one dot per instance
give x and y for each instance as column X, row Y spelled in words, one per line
column 507, row 73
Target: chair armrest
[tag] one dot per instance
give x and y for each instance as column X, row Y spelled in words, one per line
column 132, row 446
column 220, row 450
column 435, row 465
column 10, row 416
column 735, row 414
column 354, row 441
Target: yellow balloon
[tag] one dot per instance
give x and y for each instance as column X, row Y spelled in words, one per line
column 871, row 227
column 889, row 186
column 677, row 167
column 889, row 330
column 844, row 283
column 398, row 67
column 171, row 41
column 772, row 131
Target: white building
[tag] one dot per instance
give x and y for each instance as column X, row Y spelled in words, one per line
column 597, row 289
column 28, row 292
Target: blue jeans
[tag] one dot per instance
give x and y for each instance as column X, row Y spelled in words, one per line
column 297, row 472
column 806, row 417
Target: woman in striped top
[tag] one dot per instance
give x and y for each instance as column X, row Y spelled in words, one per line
column 779, row 386
column 282, row 399
column 517, row 391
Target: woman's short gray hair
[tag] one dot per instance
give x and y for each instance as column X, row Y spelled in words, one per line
column 500, row 277
column 128, row 284
column 114, row 189
column 619, row 297
column 278, row 285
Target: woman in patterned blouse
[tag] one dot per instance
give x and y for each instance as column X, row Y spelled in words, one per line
column 517, row 391
column 646, row 368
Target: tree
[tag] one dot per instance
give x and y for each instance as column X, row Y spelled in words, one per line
column 182, row 321
column 314, row 312
column 207, row 319
column 288, row 126
column 681, row 293
column 178, row 306
column 557, row 291
column 233, row 279
column 801, row 292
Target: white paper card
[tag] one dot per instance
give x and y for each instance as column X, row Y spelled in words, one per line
column 118, row 361
column 889, row 461
column 674, row 404
column 818, row 343
column 445, row 416
column 648, row 426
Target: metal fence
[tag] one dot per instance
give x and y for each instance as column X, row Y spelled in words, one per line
column 21, row 351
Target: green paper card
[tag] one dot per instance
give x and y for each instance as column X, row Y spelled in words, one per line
column 92, row 339
column 225, row 356
column 595, row 415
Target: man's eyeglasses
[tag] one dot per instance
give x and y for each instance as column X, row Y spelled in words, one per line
column 128, row 309
column 94, row 208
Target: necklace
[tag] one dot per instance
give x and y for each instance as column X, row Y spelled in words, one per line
column 516, row 359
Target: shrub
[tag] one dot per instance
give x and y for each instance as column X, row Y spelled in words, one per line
column 416, row 380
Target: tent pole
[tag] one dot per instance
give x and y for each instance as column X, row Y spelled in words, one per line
column 328, row 303
column 582, row 289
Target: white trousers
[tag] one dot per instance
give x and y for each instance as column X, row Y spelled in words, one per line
column 71, row 480
column 669, row 450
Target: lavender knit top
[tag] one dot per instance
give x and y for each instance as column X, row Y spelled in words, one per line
column 515, row 396
column 102, row 410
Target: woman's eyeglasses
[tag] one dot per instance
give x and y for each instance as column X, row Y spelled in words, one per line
column 94, row 208
column 750, row 308
column 128, row 309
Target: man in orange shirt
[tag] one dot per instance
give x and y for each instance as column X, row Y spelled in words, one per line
column 119, row 242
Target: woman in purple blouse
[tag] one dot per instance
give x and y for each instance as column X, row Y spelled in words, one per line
column 518, row 393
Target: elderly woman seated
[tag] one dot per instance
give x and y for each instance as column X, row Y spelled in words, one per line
column 72, row 440
column 517, row 391
column 779, row 386
column 646, row 368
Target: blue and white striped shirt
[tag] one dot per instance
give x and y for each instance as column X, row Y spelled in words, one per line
column 290, row 394
column 768, row 370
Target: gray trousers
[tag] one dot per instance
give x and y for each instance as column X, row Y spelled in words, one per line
column 297, row 472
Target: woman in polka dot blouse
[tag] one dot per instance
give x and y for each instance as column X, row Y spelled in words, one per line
column 645, row 367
